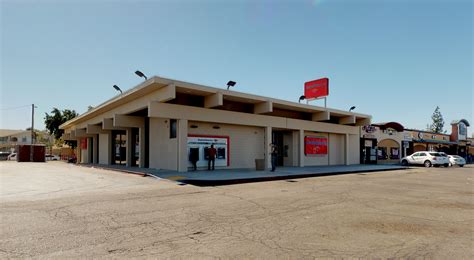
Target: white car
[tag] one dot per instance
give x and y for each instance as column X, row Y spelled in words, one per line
column 456, row 160
column 426, row 158
column 51, row 157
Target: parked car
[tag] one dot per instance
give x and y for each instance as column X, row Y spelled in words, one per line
column 12, row 157
column 4, row 156
column 456, row 160
column 51, row 157
column 426, row 158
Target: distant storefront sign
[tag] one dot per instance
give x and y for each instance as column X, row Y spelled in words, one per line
column 316, row 145
column 407, row 137
column 369, row 129
column 462, row 131
column 316, row 88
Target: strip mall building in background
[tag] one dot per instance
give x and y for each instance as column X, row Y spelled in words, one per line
column 160, row 122
column 389, row 142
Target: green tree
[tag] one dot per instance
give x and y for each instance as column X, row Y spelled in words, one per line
column 438, row 122
column 57, row 118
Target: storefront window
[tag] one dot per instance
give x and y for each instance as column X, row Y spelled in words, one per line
column 173, row 128
column 382, row 153
column 394, row 153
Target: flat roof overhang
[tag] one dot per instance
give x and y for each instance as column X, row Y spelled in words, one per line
column 156, row 83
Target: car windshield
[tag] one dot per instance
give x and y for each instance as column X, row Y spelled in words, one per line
column 435, row 154
column 457, row 157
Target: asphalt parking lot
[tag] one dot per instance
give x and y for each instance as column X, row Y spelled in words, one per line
column 58, row 210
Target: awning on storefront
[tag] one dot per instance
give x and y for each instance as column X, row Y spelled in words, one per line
column 434, row 141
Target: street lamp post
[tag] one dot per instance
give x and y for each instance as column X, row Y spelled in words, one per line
column 32, row 131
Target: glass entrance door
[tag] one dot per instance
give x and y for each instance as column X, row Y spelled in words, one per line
column 119, row 147
column 277, row 139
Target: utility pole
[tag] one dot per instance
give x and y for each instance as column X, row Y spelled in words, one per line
column 32, row 131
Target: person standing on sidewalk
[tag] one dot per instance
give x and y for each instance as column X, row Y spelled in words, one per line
column 273, row 153
column 212, row 157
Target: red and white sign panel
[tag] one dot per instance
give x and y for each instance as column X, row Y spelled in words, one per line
column 316, row 88
column 315, row 145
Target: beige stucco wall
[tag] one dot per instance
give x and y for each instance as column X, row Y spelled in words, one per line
column 163, row 150
column 104, row 145
column 354, row 149
column 315, row 160
column 246, row 143
column 288, row 140
column 336, row 149
column 246, row 132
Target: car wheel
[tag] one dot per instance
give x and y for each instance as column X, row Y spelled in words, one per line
column 427, row 164
column 446, row 165
column 461, row 165
column 405, row 163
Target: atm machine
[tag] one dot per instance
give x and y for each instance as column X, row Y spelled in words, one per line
column 201, row 145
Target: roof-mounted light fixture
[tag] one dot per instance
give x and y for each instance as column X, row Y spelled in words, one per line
column 231, row 84
column 140, row 74
column 301, row 98
column 352, row 108
column 117, row 88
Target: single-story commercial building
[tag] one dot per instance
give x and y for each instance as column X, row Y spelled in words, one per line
column 390, row 142
column 160, row 122
column 384, row 143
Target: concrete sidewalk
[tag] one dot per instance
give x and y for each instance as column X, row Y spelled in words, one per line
column 235, row 176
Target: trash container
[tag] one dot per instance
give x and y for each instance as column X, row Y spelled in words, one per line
column 260, row 164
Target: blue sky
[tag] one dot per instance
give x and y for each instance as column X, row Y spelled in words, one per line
column 395, row 60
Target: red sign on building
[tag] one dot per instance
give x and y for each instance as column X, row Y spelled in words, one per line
column 315, row 145
column 84, row 143
column 316, row 88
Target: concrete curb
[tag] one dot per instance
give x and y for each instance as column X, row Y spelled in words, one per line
column 142, row 174
column 203, row 183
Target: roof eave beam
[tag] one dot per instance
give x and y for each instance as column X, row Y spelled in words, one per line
column 263, row 107
column 108, row 124
column 128, row 121
column 95, row 129
column 214, row 100
column 81, row 132
column 321, row 116
column 347, row 120
column 165, row 94
column 363, row 121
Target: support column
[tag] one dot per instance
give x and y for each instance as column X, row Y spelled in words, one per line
column 141, row 138
column 89, row 150
column 129, row 156
column 110, row 149
column 78, row 152
column 268, row 141
column 301, row 148
column 182, row 145
column 95, row 149
column 346, row 149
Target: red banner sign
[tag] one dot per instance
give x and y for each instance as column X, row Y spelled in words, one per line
column 315, row 145
column 84, row 143
column 316, row 88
